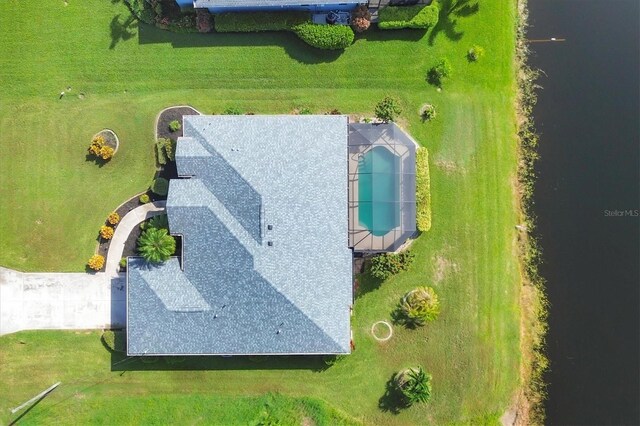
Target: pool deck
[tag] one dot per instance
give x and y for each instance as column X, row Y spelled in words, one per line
column 360, row 238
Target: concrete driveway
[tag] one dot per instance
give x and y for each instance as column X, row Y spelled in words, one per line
column 31, row 301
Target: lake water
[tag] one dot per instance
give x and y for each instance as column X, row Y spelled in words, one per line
column 587, row 202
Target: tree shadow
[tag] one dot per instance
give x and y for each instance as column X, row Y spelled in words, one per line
column 122, row 30
column 392, row 401
column 366, row 283
column 447, row 22
column 95, row 159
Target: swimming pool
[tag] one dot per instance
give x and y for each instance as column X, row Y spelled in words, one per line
column 378, row 191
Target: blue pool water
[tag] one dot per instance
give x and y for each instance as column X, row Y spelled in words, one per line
column 378, row 207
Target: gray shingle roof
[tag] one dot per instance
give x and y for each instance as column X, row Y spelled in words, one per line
column 263, row 3
column 237, row 294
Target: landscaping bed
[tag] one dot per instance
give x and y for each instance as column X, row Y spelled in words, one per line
column 130, row 204
column 169, row 115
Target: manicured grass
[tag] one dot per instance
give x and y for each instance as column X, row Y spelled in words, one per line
column 53, row 202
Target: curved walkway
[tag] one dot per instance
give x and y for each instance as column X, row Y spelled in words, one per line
column 124, row 228
column 32, row 301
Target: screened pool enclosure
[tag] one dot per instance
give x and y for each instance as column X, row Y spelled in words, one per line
column 382, row 187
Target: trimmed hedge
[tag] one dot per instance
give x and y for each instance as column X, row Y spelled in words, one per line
column 331, row 37
column 233, row 22
column 384, row 265
column 423, row 188
column 414, row 17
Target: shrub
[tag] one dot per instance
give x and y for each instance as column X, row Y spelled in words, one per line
column 165, row 150
column 439, row 72
column 160, row 186
column 106, row 232
column 387, row 264
column 258, row 21
column 232, row 110
column 305, row 111
column 203, row 21
column 331, row 37
column 106, row 152
column 96, row 145
column 123, row 263
column 334, row 112
column 420, row 306
column 427, row 112
column 413, row 17
column 360, row 18
column 414, row 385
column 160, row 221
column 113, row 218
column 175, row 125
column 156, row 245
column 387, row 109
column 144, row 199
column 475, row 53
column 96, row 262
column 423, row 191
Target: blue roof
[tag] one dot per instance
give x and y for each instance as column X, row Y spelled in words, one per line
column 266, row 267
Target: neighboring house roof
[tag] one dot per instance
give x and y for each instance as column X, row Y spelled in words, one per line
column 245, row 288
column 264, row 3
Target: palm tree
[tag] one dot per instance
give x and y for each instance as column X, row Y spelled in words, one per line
column 156, row 245
column 414, row 385
column 420, row 306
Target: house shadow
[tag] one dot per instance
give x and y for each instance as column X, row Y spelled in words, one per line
column 123, row 363
column 293, row 46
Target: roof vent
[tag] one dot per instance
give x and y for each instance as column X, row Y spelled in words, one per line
column 270, row 227
column 270, row 243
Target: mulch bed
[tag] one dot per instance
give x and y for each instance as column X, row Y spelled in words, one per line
column 170, row 115
column 109, row 138
column 132, row 203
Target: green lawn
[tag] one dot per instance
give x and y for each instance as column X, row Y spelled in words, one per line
column 53, row 202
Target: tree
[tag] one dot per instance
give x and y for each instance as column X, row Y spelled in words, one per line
column 420, row 306
column 414, row 385
column 439, row 72
column 387, row 109
column 156, row 245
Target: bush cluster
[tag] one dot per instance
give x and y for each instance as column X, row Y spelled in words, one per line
column 123, row 263
column 423, row 191
column 175, row 125
column 427, row 112
column 387, row 109
column 106, row 232
column 100, row 149
column 240, row 22
column 420, row 306
column 384, row 265
column 165, row 150
column 144, row 199
column 113, row 218
column 96, row 262
column 413, row 17
column 439, row 72
column 414, row 385
column 331, row 37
